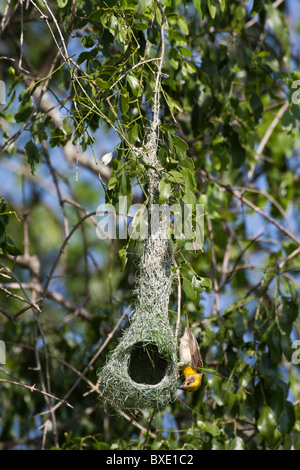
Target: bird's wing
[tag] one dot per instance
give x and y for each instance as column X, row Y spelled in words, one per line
column 196, row 358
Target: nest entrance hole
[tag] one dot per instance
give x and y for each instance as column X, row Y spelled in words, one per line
column 146, row 365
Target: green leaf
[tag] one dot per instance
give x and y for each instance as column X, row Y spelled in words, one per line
column 183, row 24
column 193, row 288
column 199, row 4
column 33, row 155
column 57, row 137
column 212, row 8
column 189, row 179
column 222, row 4
column 287, row 419
column 123, row 257
column 3, row 218
column 66, row 125
column 122, row 36
column 9, row 248
column 267, row 425
column 124, row 185
column 211, row 429
column 62, row 3
column 175, row 58
column 87, row 55
column 188, row 68
column 257, row 6
column 175, row 176
column 185, row 52
column 88, row 41
column 165, row 190
column 124, row 102
column 236, row 444
column 180, row 145
column 275, row 348
column 266, row 422
column 201, row 283
column 257, row 106
column 134, row 132
column 236, row 150
column 103, row 446
column 238, row 304
column 141, row 25
column 134, row 83
column 113, row 25
column 288, row 121
column 173, row 104
column 145, row 4
column 286, row 346
column 295, row 108
column 288, row 315
column 102, row 83
column 189, row 289
column 25, row 108
column 112, row 182
column 178, row 37
column 205, row 282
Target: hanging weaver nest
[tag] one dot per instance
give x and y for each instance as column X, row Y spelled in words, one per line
column 141, row 372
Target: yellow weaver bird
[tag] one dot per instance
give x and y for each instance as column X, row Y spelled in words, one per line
column 192, row 364
column 190, row 360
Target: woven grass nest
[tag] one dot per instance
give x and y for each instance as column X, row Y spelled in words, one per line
column 141, row 372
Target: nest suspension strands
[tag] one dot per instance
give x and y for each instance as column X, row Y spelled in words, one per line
column 141, row 372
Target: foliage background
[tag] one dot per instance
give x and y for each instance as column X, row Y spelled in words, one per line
column 80, row 78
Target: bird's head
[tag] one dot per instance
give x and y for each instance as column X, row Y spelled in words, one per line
column 191, row 383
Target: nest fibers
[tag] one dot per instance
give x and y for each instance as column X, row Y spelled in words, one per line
column 141, row 372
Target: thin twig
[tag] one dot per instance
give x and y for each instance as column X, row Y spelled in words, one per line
column 256, row 18
column 65, row 55
column 136, row 424
column 239, row 196
column 58, row 359
column 226, row 259
column 216, row 308
column 266, row 138
column 18, row 297
column 289, row 257
column 33, row 388
column 259, row 151
column 142, row 62
column 55, row 181
column 178, row 299
column 65, row 242
column 6, row 17
column 148, row 428
column 235, row 267
column 96, row 355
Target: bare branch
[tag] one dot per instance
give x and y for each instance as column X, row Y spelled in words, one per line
column 216, row 308
column 178, row 298
column 255, row 208
column 32, row 388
